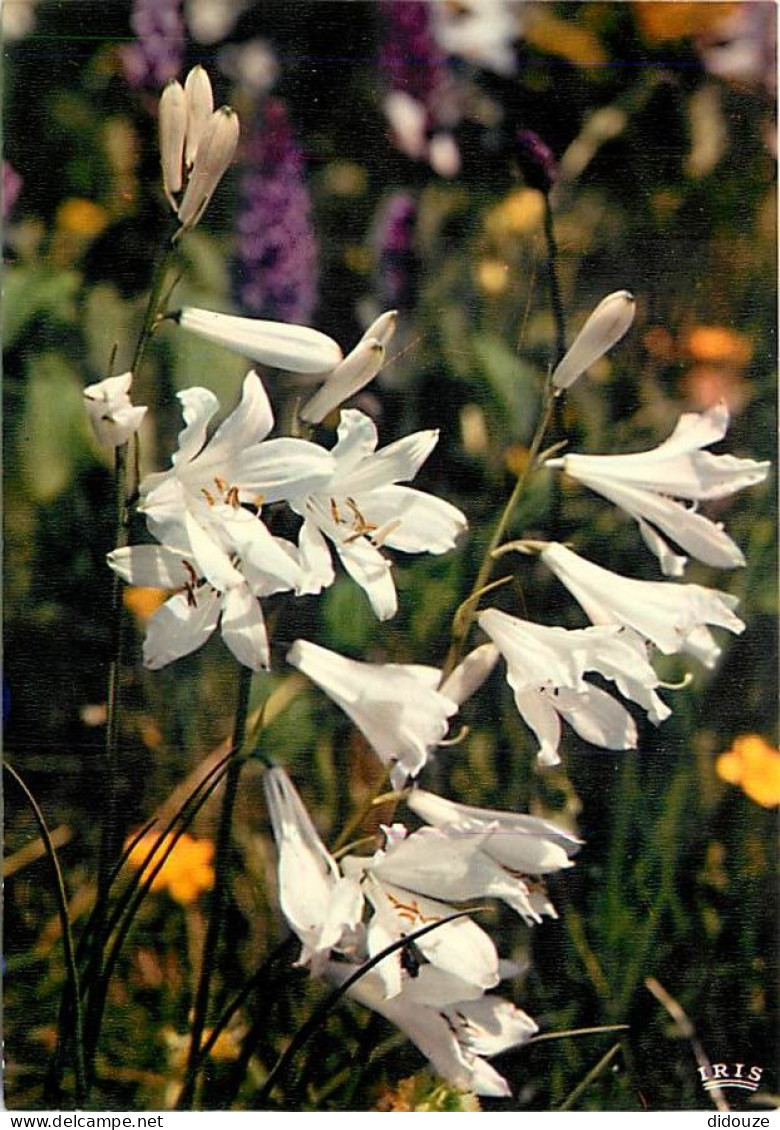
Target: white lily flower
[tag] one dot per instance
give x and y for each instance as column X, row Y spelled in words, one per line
column 396, row 706
column 453, row 1037
column 546, row 668
column 278, row 344
column 605, row 327
column 321, row 906
column 525, row 845
column 363, row 507
column 647, row 484
column 111, row 413
column 674, row 617
column 212, row 585
column 236, row 465
column 356, row 370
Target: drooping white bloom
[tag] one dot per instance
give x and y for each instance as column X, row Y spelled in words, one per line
column 453, row 1035
column 112, row 415
column 674, row 617
column 399, row 707
column 647, row 484
column 526, row 845
column 278, row 344
column 321, row 906
column 362, row 507
column 396, row 706
column 604, row 328
column 216, row 579
column 197, row 144
column 546, row 669
column 356, row 370
column 236, row 465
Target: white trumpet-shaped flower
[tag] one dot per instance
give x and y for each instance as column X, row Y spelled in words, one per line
column 236, row 465
column 648, row 484
column 453, row 1035
column 608, row 323
column 546, row 669
column 362, row 507
column 215, row 580
column 322, row 907
column 525, row 845
column 674, row 617
column 280, row 345
column 399, row 707
column 353, row 373
column 112, row 415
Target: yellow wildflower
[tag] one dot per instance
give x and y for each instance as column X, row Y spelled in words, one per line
column 187, row 871
column 754, row 765
column 81, row 217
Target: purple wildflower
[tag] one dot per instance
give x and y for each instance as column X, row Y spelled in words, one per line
column 396, row 260
column 158, row 51
column 275, row 268
column 536, row 159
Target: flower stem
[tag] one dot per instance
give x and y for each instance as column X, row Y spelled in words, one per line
column 221, row 868
column 462, row 623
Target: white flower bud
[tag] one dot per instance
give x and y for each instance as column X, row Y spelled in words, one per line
column 283, row 346
column 356, row 371
column 607, row 324
column 110, row 410
column 172, row 126
column 216, row 150
column 200, row 107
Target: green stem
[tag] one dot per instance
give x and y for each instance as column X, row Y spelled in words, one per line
column 556, row 302
column 222, row 869
column 591, row 1077
column 67, row 937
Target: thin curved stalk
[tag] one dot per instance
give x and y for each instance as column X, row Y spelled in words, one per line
column 67, row 935
column 187, row 1096
column 591, row 1077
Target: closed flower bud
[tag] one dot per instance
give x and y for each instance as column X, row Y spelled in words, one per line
column 173, row 128
column 283, row 346
column 536, row 159
column 607, row 324
column 216, row 150
column 200, row 107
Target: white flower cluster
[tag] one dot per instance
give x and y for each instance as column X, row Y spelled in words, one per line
column 438, row 988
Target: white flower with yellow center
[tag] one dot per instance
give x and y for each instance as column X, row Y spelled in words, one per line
column 362, row 507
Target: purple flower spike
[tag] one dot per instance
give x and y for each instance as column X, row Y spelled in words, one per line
column 396, row 259
column 275, row 269
column 536, row 159
column 157, row 54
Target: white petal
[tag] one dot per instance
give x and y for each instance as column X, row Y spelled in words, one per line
column 491, row 1025
column 280, row 469
column 151, row 566
column 598, row 718
column 315, row 559
column 398, row 462
column 198, row 407
column 672, row 564
column 382, row 328
column 604, row 328
column 283, row 346
column 366, row 565
column 357, row 439
column 251, row 422
column 540, row 715
column 267, row 562
column 243, row 628
column 181, row 626
column 212, row 561
column 416, row 522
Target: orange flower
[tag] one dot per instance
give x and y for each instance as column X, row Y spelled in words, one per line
column 660, row 21
column 754, row 765
column 187, row 871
